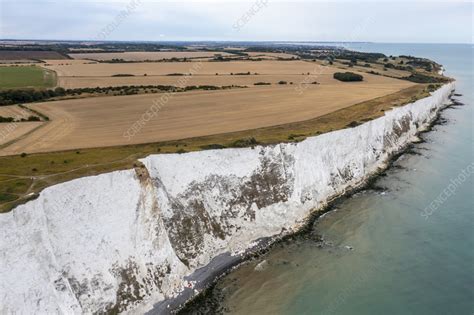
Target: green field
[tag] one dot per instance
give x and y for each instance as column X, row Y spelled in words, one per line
column 26, row 77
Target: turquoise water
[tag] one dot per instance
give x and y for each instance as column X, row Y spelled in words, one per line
column 401, row 262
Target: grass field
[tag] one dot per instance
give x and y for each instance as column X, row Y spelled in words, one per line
column 20, row 177
column 26, row 77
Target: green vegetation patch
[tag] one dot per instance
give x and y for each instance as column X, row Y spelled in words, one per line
column 26, row 76
column 348, row 76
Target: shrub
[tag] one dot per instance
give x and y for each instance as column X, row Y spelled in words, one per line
column 6, row 119
column 282, row 82
column 348, row 76
column 262, row 83
column 241, row 143
column 421, row 78
column 59, row 91
column 353, row 124
column 212, row 146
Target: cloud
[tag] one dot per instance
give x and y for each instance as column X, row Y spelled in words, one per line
column 390, row 21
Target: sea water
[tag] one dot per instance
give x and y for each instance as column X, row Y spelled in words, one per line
column 406, row 247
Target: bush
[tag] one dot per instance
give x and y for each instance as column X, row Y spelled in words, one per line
column 6, row 119
column 241, row 143
column 348, row 76
column 421, row 78
column 282, row 82
column 60, row 91
column 212, row 146
column 262, row 83
column 353, row 124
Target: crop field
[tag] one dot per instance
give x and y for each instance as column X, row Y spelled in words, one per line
column 14, row 111
column 148, row 55
column 270, row 55
column 26, row 77
column 56, row 167
column 104, row 121
column 29, row 54
column 79, row 74
column 80, row 69
column 14, row 131
column 91, row 131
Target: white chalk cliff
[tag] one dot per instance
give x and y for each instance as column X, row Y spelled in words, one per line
column 125, row 240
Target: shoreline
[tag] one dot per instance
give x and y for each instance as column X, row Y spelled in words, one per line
column 189, row 298
column 188, row 210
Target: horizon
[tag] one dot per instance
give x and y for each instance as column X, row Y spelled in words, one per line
column 231, row 41
column 436, row 22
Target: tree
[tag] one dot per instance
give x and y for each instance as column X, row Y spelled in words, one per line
column 348, row 76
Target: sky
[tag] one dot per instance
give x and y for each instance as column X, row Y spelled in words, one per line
column 416, row 21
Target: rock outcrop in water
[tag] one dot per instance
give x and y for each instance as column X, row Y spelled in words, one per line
column 126, row 240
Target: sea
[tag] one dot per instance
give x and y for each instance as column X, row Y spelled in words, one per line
column 404, row 246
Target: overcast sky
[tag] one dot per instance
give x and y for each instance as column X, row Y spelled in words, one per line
column 378, row 21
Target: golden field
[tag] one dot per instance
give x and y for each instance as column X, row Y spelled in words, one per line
column 13, row 131
column 83, row 69
column 103, row 121
column 14, row 111
column 80, row 73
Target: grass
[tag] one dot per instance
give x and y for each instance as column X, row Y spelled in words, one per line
column 26, row 77
column 21, row 176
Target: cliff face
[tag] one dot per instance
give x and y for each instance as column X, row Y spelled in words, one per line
column 125, row 240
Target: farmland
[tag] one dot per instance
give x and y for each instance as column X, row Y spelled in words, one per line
column 45, row 169
column 14, row 111
column 26, row 77
column 269, row 55
column 148, row 55
column 14, row 131
column 103, row 122
column 79, row 74
column 25, row 55
column 222, row 97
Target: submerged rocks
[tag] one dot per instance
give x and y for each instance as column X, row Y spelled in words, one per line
column 261, row 266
